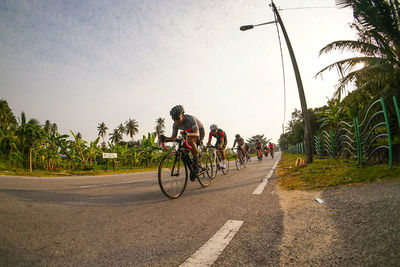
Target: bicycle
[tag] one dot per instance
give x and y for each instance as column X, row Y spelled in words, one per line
column 266, row 153
column 248, row 156
column 259, row 155
column 240, row 159
column 216, row 159
column 271, row 152
column 176, row 166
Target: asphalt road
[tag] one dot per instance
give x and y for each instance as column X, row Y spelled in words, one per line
column 125, row 220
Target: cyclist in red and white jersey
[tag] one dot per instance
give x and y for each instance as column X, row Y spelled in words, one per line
column 221, row 143
column 271, row 149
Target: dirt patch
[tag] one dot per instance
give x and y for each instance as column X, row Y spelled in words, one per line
column 308, row 230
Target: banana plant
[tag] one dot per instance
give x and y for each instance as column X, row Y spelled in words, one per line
column 92, row 151
column 148, row 149
column 80, row 145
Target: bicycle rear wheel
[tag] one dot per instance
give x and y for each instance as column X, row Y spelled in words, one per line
column 207, row 166
column 172, row 175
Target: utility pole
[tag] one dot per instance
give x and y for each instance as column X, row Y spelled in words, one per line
column 303, row 103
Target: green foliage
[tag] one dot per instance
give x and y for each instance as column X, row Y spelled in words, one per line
column 7, row 118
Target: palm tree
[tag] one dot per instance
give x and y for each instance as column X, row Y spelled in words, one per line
column 259, row 137
column 46, row 126
column 160, row 126
column 131, row 127
column 378, row 44
column 115, row 136
column 54, row 128
column 102, row 130
column 121, row 128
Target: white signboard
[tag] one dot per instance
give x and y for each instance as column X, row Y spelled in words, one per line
column 109, row 155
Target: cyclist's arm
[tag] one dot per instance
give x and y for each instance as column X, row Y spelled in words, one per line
column 174, row 134
column 209, row 139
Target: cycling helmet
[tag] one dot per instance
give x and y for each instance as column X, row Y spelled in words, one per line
column 176, row 111
column 213, row 127
column 237, row 135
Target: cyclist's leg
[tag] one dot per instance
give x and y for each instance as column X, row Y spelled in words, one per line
column 223, row 154
column 192, row 141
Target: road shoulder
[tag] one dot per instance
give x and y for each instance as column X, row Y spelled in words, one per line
column 308, row 230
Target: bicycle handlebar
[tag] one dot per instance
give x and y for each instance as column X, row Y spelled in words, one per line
column 177, row 140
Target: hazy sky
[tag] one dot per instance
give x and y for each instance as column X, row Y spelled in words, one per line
column 81, row 62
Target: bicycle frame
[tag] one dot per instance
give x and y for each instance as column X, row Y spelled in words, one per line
column 180, row 153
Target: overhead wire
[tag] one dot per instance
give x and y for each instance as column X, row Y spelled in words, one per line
column 284, row 77
column 283, row 65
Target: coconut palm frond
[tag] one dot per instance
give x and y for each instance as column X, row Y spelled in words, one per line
column 343, row 3
column 351, row 46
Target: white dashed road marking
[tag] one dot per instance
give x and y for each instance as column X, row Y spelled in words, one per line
column 211, row 250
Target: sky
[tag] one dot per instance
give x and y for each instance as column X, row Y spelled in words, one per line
column 78, row 63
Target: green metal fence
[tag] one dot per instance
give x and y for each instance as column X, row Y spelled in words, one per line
column 360, row 141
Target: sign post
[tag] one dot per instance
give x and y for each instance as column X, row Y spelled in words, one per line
column 109, row 156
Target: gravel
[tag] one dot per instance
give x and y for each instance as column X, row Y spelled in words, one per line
column 356, row 225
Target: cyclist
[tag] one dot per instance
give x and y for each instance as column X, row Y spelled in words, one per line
column 190, row 127
column 240, row 144
column 271, row 149
column 266, row 151
column 220, row 135
column 258, row 148
column 247, row 149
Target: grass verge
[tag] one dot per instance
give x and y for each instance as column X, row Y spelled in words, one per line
column 326, row 173
column 41, row 173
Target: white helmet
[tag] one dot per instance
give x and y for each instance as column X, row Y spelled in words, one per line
column 213, row 127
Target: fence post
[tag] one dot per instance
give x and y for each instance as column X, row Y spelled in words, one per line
column 319, row 146
column 397, row 110
column 388, row 132
column 332, row 139
column 358, row 141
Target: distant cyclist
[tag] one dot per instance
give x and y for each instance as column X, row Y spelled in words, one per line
column 240, row 144
column 220, row 135
column 247, row 149
column 258, row 145
column 266, row 151
column 190, row 127
column 271, row 149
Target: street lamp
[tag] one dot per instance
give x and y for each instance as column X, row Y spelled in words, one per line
column 303, row 103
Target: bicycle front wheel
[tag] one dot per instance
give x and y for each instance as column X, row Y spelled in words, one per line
column 172, row 175
column 214, row 166
column 238, row 162
column 225, row 171
column 207, row 173
column 243, row 161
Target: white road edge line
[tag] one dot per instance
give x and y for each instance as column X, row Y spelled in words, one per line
column 100, row 185
column 263, row 184
column 212, row 249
